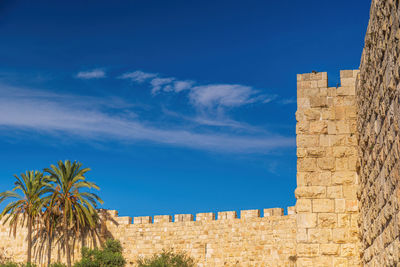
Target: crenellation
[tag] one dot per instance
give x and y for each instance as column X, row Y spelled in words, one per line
column 273, row 212
column 227, row 215
column 142, row 220
column 162, row 218
column 183, row 218
column 249, row 214
column 209, row 216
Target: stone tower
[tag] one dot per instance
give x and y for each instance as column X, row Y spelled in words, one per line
column 327, row 206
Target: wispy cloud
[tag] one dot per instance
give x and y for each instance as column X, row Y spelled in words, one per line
column 208, row 96
column 53, row 114
column 138, row 76
column 158, row 83
column 92, row 74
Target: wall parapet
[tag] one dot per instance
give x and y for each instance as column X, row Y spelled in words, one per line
column 199, row 217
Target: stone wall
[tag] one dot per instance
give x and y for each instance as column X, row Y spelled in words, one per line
column 378, row 103
column 327, row 206
column 250, row 240
column 348, row 195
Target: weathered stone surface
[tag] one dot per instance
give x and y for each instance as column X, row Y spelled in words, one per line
column 378, row 118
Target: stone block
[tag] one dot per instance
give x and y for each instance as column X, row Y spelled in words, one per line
column 249, row 214
column 273, row 212
column 334, row 192
column 303, row 205
column 209, row 216
column 340, row 235
column 323, row 205
column 307, row 250
column 330, row 249
column 306, row 220
column 142, row 220
column 305, row 141
column 183, row 217
column 327, row 220
column 307, row 164
column 343, row 177
column 310, row 192
column 291, row 210
column 320, row 236
column 227, row 215
column 326, row 163
column 162, row 218
column 123, row 220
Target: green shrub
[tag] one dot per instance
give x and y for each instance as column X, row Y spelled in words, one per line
column 167, row 259
column 109, row 256
column 9, row 264
column 58, row 264
column 13, row 264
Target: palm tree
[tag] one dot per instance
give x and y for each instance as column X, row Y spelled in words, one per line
column 77, row 207
column 49, row 227
column 28, row 204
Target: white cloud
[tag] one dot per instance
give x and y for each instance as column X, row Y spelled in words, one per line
column 222, row 95
column 92, row 74
column 209, row 96
column 158, row 83
column 182, row 85
column 138, row 76
column 56, row 114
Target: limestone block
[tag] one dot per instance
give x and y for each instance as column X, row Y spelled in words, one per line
column 327, row 220
column 323, row 205
column 210, row 216
column 330, row 249
column 273, row 212
column 340, row 205
column 142, row 220
column 326, row 163
column 307, row 250
column 334, row 191
column 318, row 101
column 318, row 127
column 340, row 235
column 310, row 192
column 306, row 220
column 303, row 205
column 162, row 218
column 320, row 236
column 248, row 214
column 307, row 164
column 227, row 215
column 305, row 141
column 343, row 177
column 291, row 210
column 123, row 220
column 183, row 217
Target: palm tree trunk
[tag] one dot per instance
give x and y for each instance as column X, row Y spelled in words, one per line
column 68, row 253
column 29, row 257
column 49, row 240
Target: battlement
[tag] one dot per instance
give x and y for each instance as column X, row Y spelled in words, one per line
column 112, row 215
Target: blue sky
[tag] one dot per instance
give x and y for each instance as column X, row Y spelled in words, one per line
column 176, row 106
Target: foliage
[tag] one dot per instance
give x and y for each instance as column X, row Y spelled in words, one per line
column 13, row 264
column 59, row 205
column 57, row 264
column 78, row 208
column 109, row 256
column 167, row 259
column 28, row 203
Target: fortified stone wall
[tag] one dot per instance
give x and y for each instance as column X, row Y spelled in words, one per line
column 348, row 196
column 250, row 240
column 327, row 206
column 378, row 103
